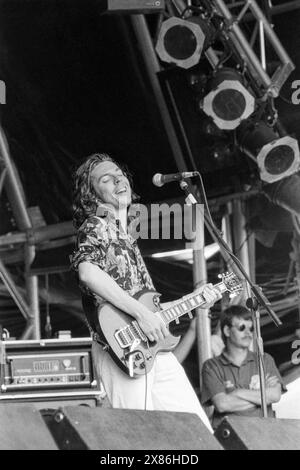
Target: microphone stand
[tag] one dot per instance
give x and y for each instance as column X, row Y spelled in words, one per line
column 259, row 299
column 252, row 304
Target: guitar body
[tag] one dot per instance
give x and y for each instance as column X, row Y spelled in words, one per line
column 137, row 360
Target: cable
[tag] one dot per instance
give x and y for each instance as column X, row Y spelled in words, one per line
column 48, row 327
column 146, row 383
column 203, row 194
column 249, row 233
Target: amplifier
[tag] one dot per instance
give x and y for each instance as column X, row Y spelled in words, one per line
column 131, row 6
column 47, row 365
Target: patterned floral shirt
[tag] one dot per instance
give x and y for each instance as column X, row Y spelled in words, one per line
column 102, row 242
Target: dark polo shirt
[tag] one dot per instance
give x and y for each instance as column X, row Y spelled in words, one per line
column 220, row 375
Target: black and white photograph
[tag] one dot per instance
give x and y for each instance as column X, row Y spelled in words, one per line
column 149, row 228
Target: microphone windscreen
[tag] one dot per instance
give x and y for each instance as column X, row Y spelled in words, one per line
column 157, row 180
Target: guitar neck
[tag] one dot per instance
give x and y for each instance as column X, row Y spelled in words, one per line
column 186, row 304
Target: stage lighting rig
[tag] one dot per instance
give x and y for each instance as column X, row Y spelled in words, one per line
column 235, row 36
column 182, row 41
column 228, row 102
column 277, row 156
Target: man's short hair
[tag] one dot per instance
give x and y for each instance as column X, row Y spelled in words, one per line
column 227, row 316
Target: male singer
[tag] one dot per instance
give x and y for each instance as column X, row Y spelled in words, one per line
column 111, row 269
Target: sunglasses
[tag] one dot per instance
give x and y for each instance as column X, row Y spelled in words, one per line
column 243, row 327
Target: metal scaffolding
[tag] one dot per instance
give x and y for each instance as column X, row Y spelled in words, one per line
column 29, row 307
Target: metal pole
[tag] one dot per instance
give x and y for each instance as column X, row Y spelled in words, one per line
column 195, row 232
column 27, row 333
column 40, row 234
column 274, row 9
column 32, row 288
column 203, row 325
column 180, row 5
column 252, row 255
column 242, row 251
column 17, row 199
column 285, row 7
column 2, row 179
column 263, row 55
column 238, row 38
column 240, row 235
column 296, row 258
column 14, row 291
column 281, row 75
column 240, row 242
column 153, row 67
column 226, row 226
column 258, row 343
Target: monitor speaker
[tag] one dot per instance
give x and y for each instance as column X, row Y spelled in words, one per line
column 81, row 428
column 23, row 428
column 244, row 433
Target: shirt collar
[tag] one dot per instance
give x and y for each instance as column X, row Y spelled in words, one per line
column 226, row 361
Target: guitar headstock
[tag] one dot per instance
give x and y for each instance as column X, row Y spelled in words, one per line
column 232, row 283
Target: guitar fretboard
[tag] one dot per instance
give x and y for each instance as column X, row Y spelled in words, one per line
column 186, row 304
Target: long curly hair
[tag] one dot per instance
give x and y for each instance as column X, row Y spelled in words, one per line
column 85, row 199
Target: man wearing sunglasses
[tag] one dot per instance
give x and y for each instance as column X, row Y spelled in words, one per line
column 231, row 381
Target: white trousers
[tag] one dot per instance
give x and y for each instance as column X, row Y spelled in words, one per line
column 165, row 388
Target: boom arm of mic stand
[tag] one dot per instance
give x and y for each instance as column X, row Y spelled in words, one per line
column 261, row 298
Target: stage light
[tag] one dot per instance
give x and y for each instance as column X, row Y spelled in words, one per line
column 229, row 102
column 277, row 157
column 181, row 42
column 285, row 193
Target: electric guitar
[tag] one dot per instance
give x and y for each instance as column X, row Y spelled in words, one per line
column 129, row 347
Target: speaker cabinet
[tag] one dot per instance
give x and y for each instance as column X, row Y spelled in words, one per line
column 23, row 428
column 131, row 6
column 80, row 428
column 243, row 433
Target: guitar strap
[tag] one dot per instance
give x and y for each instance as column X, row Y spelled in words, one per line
column 92, row 319
column 96, row 337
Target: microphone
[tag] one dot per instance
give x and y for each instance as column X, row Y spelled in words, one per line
column 159, row 179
